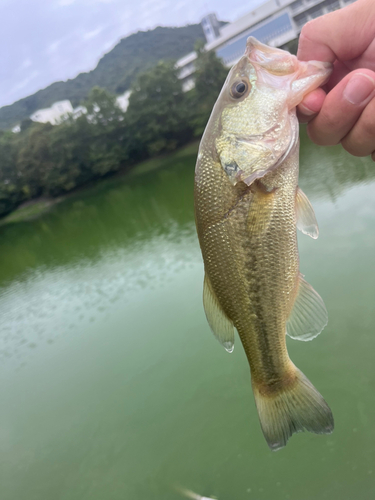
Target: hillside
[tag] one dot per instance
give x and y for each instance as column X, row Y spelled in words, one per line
column 115, row 71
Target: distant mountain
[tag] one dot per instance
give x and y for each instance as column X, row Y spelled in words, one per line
column 115, row 71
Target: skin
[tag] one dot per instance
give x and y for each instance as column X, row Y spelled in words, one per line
column 345, row 111
column 245, row 200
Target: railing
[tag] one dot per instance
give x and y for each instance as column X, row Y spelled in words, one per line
column 319, row 9
column 300, row 6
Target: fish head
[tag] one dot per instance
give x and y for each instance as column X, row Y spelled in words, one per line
column 253, row 123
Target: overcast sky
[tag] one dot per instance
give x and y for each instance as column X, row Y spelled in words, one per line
column 44, row 41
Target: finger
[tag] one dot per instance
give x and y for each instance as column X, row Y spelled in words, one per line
column 340, row 70
column 336, row 35
column 310, row 105
column 342, row 107
column 360, row 141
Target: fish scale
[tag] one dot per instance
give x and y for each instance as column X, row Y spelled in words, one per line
column 246, row 201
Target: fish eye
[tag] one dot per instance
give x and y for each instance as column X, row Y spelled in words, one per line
column 238, row 89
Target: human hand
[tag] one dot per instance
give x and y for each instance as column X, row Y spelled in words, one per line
column 346, row 113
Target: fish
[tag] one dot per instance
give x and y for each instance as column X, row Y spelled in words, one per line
column 248, row 206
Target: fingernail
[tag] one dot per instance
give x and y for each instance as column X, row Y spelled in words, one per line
column 359, row 88
column 306, row 111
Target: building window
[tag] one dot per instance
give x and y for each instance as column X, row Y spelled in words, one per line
column 264, row 33
column 316, row 11
column 301, row 19
column 332, row 4
column 297, row 5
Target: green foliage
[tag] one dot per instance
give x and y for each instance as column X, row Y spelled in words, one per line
column 102, row 107
column 46, row 160
column 210, row 76
column 115, row 72
column 10, row 193
column 291, row 46
column 25, row 124
column 157, row 113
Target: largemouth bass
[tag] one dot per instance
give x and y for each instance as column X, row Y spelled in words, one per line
column 248, row 206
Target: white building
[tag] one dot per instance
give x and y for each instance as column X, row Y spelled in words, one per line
column 57, row 113
column 79, row 111
column 61, row 110
column 211, row 27
column 275, row 23
column 122, row 101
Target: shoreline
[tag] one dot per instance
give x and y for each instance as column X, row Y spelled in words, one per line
column 34, row 208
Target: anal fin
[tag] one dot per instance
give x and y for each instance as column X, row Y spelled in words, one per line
column 220, row 324
column 309, row 314
column 306, row 220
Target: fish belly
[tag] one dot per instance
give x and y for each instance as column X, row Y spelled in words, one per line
column 251, row 258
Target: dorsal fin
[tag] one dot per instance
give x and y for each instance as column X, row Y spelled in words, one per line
column 221, row 325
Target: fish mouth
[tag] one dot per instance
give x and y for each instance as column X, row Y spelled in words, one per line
column 314, row 68
column 275, row 61
column 270, row 62
column 280, row 62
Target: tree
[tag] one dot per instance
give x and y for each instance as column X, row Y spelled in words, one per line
column 107, row 147
column 210, row 76
column 10, row 190
column 157, row 113
column 69, row 145
column 102, row 108
column 25, row 124
column 34, row 158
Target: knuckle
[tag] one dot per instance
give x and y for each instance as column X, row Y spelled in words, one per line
column 360, row 141
column 330, row 130
column 315, row 135
column 308, row 29
column 354, row 146
column 351, row 147
column 368, row 127
column 322, row 135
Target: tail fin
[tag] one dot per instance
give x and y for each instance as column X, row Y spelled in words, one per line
column 295, row 408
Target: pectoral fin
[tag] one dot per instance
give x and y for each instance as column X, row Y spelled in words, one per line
column 306, row 220
column 220, row 324
column 309, row 314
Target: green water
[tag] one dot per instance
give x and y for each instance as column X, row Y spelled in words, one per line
column 111, row 384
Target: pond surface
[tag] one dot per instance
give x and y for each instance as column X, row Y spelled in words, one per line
column 111, row 384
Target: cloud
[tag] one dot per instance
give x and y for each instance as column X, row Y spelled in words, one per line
column 93, row 33
column 26, row 64
column 52, row 47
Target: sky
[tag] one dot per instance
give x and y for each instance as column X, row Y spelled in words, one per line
column 44, row 41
